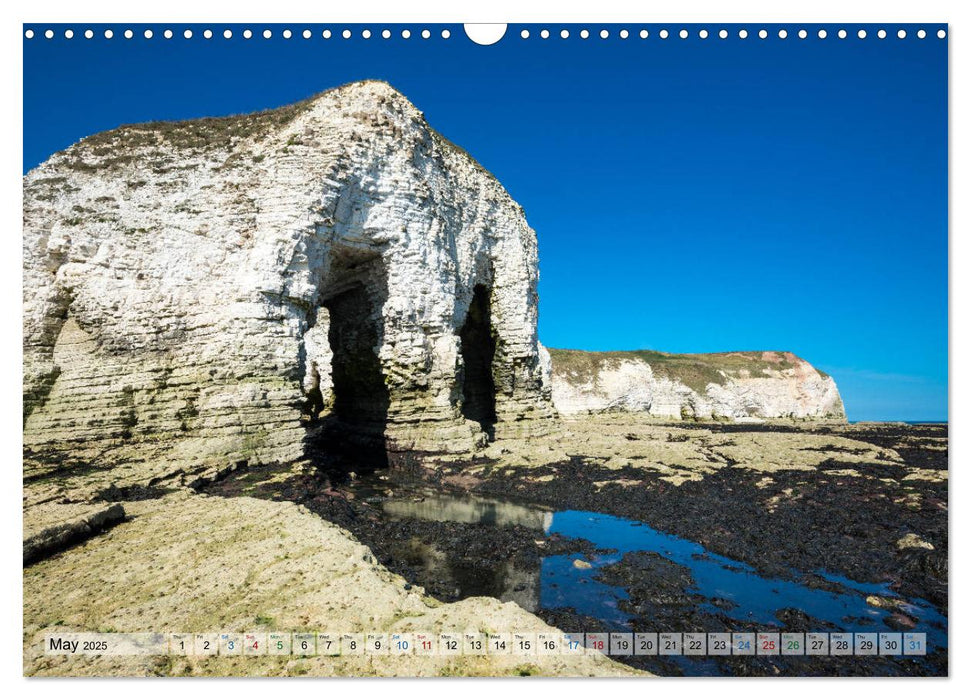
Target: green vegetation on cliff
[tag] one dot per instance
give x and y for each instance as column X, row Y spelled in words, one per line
column 695, row 371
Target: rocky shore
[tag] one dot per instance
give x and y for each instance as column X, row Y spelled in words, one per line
column 305, row 545
column 826, row 507
column 187, row 562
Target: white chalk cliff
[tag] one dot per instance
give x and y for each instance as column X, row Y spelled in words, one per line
column 212, row 290
column 334, row 272
column 735, row 386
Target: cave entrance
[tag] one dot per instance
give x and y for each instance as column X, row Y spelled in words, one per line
column 361, row 397
column 478, row 352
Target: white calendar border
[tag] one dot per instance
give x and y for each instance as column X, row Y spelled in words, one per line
column 442, row 10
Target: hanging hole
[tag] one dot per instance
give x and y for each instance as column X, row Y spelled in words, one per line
column 487, row 34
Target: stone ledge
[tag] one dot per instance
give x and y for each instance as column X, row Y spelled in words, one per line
column 78, row 528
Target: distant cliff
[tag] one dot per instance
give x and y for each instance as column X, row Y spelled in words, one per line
column 719, row 386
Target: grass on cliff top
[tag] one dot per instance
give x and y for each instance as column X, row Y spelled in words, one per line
column 117, row 146
column 193, row 134
column 695, row 371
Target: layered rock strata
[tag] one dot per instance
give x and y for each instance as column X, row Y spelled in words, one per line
column 214, row 291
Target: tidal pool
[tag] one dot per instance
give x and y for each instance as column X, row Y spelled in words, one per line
column 756, row 600
column 722, row 586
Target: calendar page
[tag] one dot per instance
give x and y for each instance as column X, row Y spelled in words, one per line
column 544, row 349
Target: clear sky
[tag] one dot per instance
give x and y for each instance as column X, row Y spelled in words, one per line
column 688, row 195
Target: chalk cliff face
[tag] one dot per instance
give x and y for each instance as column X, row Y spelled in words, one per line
column 725, row 386
column 216, row 290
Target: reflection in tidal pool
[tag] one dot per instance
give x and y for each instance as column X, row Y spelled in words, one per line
column 468, row 509
column 558, row 584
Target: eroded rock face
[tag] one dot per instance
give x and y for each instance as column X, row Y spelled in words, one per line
column 210, row 291
column 729, row 386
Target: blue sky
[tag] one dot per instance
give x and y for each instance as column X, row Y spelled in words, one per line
column 688, row 195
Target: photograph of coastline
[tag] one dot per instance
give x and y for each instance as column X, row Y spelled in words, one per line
column 620, row 333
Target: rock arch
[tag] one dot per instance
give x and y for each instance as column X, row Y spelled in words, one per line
column 478, row 345
column 215, row 294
